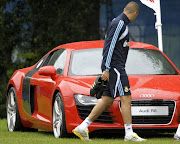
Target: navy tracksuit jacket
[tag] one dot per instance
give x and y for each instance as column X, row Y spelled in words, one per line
column 116, row 44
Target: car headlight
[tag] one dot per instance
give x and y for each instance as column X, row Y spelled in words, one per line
column 85, row 100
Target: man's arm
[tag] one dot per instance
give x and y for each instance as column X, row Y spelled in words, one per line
column 114, row 34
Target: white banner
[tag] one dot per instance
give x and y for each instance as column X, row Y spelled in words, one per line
column 155, row 5
column 151, row 3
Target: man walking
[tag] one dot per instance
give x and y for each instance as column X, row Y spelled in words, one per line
column 115, row 52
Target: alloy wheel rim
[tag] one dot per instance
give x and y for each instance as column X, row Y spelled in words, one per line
column 11, row 111
column 57, row 117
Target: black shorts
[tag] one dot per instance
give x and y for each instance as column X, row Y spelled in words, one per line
column 118, row 84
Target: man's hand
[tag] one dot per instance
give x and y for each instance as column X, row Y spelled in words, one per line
column 105, row 76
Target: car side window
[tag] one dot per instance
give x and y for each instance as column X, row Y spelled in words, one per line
column 39, row 64
column 42, row 62
column 58, row 60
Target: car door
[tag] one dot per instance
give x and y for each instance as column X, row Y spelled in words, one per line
column 28, row 90
column 40, row 88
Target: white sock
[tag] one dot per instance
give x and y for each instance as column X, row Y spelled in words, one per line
column 178, row 130
column 85, row 124
column 128, row 130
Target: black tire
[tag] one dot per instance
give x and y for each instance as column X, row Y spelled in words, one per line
column 59, row 120
column 13, row 118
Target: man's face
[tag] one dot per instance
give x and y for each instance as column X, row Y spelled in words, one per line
column 134, row 15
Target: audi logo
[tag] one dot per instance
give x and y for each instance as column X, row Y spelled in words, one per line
column 147, row 95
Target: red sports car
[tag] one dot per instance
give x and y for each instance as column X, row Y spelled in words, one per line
column 54, row 94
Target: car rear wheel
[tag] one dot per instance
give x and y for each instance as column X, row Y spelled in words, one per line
column 59, row 123
column 13, row 118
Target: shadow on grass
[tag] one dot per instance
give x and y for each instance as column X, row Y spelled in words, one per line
column 42, row 132
column 141, row 133
column 118, row 134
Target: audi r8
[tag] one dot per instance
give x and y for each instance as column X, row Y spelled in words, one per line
column 54, row 94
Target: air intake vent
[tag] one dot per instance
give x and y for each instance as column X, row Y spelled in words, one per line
column 105, row 117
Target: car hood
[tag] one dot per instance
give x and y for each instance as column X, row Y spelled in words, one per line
column 145, row 86
column 155, row 86
column 77, row 84
column 85, row 80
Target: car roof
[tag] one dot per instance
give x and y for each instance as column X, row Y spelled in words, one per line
column 100, row 44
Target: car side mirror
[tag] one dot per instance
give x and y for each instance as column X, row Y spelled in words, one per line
column 47, row 71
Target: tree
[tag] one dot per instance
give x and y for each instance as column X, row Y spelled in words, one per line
column 31, row 28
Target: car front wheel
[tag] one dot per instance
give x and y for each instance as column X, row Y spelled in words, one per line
column 59, row 123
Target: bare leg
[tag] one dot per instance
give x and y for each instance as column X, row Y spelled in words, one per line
column 100, row 107
column 126, row 109
column 127, row 117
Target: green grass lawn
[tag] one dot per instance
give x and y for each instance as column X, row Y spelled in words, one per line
column 46, row 137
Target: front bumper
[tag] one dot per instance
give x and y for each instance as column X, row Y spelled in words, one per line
column 112, row 118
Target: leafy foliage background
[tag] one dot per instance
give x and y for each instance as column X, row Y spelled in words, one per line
column 31, row 28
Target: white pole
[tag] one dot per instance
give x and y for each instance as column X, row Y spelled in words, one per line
column 158, row 26
column 155, row 5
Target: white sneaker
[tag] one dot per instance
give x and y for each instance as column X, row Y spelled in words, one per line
column 83, row 135
column 176, row 137
column 134, row 137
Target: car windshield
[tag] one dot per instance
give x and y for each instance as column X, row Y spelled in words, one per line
column 139, row 62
